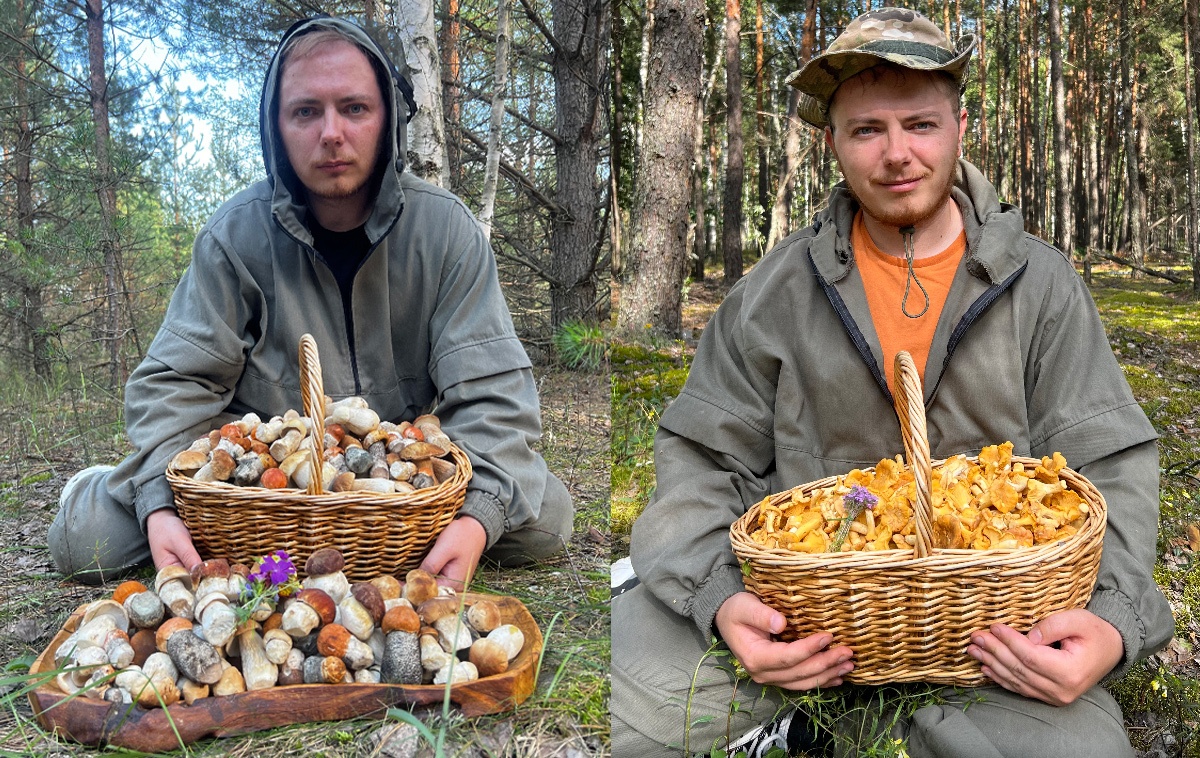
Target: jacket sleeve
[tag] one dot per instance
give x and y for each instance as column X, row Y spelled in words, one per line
column 487, row 399
column 712, row 456
column 1081, row 405
column 186, row 381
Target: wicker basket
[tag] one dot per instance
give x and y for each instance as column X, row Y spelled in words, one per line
column 378, row 533
column 909, row 616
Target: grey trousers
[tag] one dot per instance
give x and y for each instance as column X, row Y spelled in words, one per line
column 656, row 655
column 94, row 538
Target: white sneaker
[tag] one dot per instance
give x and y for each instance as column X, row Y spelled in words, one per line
column 757, row 742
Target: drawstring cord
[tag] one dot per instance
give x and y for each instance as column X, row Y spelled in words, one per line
column 909, row 252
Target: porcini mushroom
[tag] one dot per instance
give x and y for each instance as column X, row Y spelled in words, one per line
column 323, row 571
column 309, row 609
column 401, row 662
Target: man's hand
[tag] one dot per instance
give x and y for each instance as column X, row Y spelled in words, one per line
column 170, row 540
column 1089, row 647
column 746, row 625
column 456, row 552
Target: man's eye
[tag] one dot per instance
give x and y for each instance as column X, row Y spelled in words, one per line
column 304, row 112
column 864, row 130
column 357, row 109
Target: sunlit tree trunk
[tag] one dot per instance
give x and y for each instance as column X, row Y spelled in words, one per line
column 657, row 249
column 1192, row 24
column 448, row 42
column 1062, row 156
column 785, row 185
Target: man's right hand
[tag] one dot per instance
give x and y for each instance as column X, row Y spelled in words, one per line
column 170, row 540
column 746, row 624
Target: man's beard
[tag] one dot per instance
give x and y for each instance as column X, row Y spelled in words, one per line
column 904, row 215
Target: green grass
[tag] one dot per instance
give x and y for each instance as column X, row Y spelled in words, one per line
column 645, row 378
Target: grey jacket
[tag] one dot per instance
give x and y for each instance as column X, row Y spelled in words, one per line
column 427, row 328
column 787, row 387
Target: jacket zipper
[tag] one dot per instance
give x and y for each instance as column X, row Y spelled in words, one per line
column 972, row 314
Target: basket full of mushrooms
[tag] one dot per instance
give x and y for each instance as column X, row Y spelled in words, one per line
column 335, row 475
column 223, row 649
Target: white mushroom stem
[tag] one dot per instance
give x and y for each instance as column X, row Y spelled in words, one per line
column 278, row 646
column 457, row 671
column 178, row 598
column 258, row 670
column 299, row 619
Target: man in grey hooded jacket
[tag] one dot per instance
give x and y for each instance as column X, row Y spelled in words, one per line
column 393, row 278
column 789, row 385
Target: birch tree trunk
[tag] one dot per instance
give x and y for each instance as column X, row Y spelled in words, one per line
column 491, row 171
column 105, row 187
column 731, row 214
column 651, row 296
column 413, row 20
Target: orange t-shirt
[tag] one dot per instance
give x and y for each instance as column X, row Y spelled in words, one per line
column 883, row 278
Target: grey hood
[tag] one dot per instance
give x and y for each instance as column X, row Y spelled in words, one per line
column 288, row 195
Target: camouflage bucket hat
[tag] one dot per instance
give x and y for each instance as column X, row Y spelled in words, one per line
column 895, row 35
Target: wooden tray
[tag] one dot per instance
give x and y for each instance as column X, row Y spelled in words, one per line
column 95, row 722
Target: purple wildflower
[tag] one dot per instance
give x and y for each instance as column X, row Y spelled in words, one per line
column 859, row 496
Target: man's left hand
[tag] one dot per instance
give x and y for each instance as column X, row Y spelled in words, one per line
column 456, row 552
column 1089, row 647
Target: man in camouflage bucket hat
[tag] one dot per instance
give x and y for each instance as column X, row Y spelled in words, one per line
column 792, row 383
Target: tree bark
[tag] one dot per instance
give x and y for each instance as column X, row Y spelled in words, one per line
column 448, row 40
column 650, row 298
column 616, row 130
column 1192, row 26
column 581, row 30
column 413, row 20
column 1062, row 157
column 785, row 184
column 105, row 187
column 731, row 215
column 491, row 173
column 760, row 121
column 1133, row 192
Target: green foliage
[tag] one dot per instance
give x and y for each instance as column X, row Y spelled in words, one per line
column 580, row 345
column 645, row 379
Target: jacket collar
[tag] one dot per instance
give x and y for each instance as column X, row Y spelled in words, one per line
column 994, row 230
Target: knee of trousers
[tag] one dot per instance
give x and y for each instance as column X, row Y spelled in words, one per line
column 998, row 722
column 670, row 688
column 543, row 538
column 93, row 538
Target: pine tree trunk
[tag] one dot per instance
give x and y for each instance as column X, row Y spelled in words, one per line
column 105, row 187
column 616, row 132
column 1062, row 157
column 581, row 32
column 785, row 185
column 760, row 121
column 1133, row 193
column 651, row 296
column 731, row 215
column 1193, row 87
column 448, row 39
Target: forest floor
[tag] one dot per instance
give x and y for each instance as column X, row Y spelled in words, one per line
column 1154, row 328
column 47, row 436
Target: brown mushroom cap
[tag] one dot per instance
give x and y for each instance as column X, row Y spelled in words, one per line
column 319, row 601
column 240, row 569
column 436, row 608
column 388, row 586
column 327, row 560
column 401, row 619
column 332, row 640
column 144, row 644
column 489, row 657
column 484, row 616
column 167, row 628
column 125, row 589
column 419, row 586
column 213, row 568
column 427, row 418
column 422, row 450
column 168, row 573
column 370, row 598
column 274, row 621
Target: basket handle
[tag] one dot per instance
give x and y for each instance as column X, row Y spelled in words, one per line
column 312, row 396
column 910, row 409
